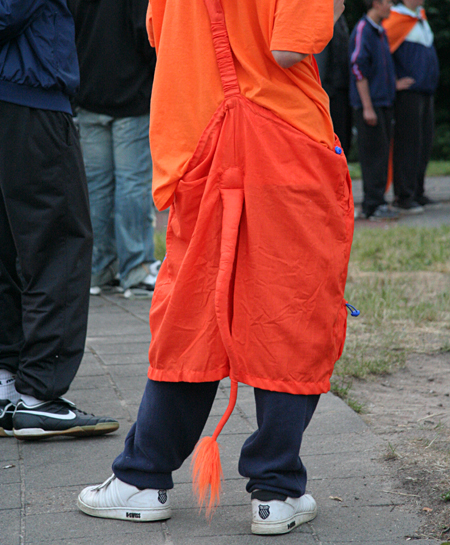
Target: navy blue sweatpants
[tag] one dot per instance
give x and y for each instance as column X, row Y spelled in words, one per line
column 172, row 416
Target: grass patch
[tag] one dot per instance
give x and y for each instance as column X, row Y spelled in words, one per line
column 342, row 390
column 160, row 245
column 399, row 280
column 435, row 168
column 404, row 249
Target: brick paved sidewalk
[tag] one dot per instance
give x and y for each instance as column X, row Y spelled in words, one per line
column 39, row 481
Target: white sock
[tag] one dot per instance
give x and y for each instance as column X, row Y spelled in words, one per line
column 30, row 401
column 8, row 386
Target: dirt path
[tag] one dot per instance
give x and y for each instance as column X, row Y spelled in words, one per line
column 411, row 410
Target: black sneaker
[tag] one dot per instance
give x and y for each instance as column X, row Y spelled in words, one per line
column 423, row 200
column 411, row 207
column 384, row 213
column 6, row 421
column 58, row 417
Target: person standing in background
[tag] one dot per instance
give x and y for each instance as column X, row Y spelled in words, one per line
column 45, row 229
column 117, row 66
column 335, row 76
column 411, row 42
column 372, row 95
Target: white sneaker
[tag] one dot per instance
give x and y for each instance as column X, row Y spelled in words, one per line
column 280, row 517
column 150, row 279
column 115, row 499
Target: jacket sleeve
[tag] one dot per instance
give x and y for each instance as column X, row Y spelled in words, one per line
column 361, row 56
column 137, row 12
column 16, row 16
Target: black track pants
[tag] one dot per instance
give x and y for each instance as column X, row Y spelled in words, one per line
column 45, row 249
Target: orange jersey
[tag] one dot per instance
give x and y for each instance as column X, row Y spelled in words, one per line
column 187, row 88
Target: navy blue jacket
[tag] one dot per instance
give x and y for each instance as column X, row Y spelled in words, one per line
column 370, row 58
column 38, row 59
column 418, row 62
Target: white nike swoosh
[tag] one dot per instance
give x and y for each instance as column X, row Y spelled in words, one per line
column 69, row 416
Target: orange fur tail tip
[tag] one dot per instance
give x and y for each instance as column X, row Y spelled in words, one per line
column 207, row 474
column 206, row 466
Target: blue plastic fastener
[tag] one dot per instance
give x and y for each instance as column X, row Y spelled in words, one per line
column 338, row 150
column 353, row 310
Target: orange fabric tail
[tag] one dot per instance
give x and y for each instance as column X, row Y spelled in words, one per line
column 390, row 175
column 206, row 466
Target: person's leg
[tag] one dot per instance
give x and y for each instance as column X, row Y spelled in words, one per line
column 373, row 147
column 134, row 209
column 407, row 137
column 46, row 199
column 11, row 335
column 170, row 421
column 427, row 133
column 270, row 459
column 97, row 146
column 270, row 456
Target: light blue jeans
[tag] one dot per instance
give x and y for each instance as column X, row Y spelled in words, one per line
column 118, row 164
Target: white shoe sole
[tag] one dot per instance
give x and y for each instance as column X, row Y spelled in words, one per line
column 282, row 526
column 138, row 293
column 77, row 431
column 124, row 513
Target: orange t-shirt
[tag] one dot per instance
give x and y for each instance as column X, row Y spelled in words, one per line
column 187, row 88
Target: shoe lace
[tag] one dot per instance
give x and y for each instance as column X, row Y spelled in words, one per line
column 73, row 407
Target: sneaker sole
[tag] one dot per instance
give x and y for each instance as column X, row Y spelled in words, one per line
column 123, row 513
column 6, row 433
column 283, row 526
column 138, row 293
column 78, row 431
column 373, row 218
column 409, row 211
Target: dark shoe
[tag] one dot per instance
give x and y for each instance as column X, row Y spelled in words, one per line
column 113, row 286
column 423, row 200
column 6, row 421
column 384, row 213
column 58, row 417
column 411, row 207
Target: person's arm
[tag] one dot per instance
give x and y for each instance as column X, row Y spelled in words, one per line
column 16, row 16
column 369, row 114
column 302, row 28
column 286, row 59
column 149, row 25
column 361, row 65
